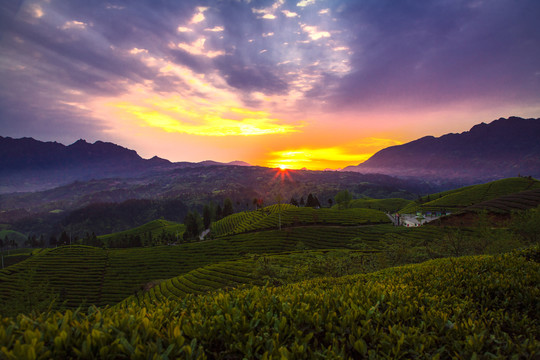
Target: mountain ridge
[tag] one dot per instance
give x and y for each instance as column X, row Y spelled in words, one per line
column 502, row 148
column 27, row 164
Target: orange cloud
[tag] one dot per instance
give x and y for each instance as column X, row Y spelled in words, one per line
column 176, row 115
column 330, row 157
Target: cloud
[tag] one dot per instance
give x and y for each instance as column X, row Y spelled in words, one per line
column 36, row 11
column 378, row 57
column 215, row 29
column 74, row 24
column 315, row 158
column 250, row 78
column 289, row 14
column 176, row 115
column 268, row 12
column 135, row 51
column 429, row 54
column 314, row 33
column 305, row 3
column 335, row 157
column 199, row 15
column 198, row 48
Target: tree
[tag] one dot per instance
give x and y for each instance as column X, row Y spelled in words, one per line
column 193, row 225
column 330, row 202
column 312, row 201
column 227, row 207
column 294, row 201
column 64, row 238
column 343, row 198
column 41, row 241
column 302, row 202
column 219, row 213
column 207, row 216
column 53, row 241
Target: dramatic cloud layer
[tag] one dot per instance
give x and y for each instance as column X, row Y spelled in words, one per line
column 314, row 83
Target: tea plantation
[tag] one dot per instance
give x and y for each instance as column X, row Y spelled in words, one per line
column 468, row 307
column 454, row 200
column 295, row 216
column 152, row 229
column 287, row 282
column 87, row 275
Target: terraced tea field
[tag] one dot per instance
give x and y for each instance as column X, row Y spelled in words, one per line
column 154, row 228
column 455, row 200
column 437, row 309
column 246, row 272
column 83, row 274
column 387, row 205
column 296, row 216
column 514, row 202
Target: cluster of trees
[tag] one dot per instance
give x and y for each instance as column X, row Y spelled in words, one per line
column 312, row 201
column 131, row 240
column 8, row 243
column 34, row 241
column 195, row 224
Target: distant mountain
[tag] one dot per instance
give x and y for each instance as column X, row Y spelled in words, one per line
column 502, row 148
column 28, row 165
column 28, row 153
column 233, row 163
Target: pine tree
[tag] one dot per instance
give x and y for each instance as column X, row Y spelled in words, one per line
column 227, row 207
column 207, row 217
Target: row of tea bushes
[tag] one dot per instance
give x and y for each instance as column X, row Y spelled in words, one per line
column 469, row 307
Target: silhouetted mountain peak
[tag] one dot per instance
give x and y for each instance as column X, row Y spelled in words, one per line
column 502, row 148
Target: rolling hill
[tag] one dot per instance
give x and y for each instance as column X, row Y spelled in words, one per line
column 462, row 198
column 271, row 217
column 153, row 230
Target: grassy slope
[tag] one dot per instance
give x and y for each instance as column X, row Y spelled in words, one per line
column 472, row 307
column 155, row 227
column 458, row 199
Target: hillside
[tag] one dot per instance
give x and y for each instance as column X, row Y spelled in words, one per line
column 272, row 217
column 425, row 310
column 502, row 148
column 459, row 199
column 82, row 274
column 148, row 232
column 388, row 205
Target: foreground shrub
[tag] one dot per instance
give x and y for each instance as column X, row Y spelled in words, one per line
column 483, row 306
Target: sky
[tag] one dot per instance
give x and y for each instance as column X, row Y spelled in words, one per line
column 306, row 83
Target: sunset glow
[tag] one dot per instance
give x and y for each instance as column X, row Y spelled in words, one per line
column 284, row 84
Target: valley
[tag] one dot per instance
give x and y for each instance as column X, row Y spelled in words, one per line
column 298, row 254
